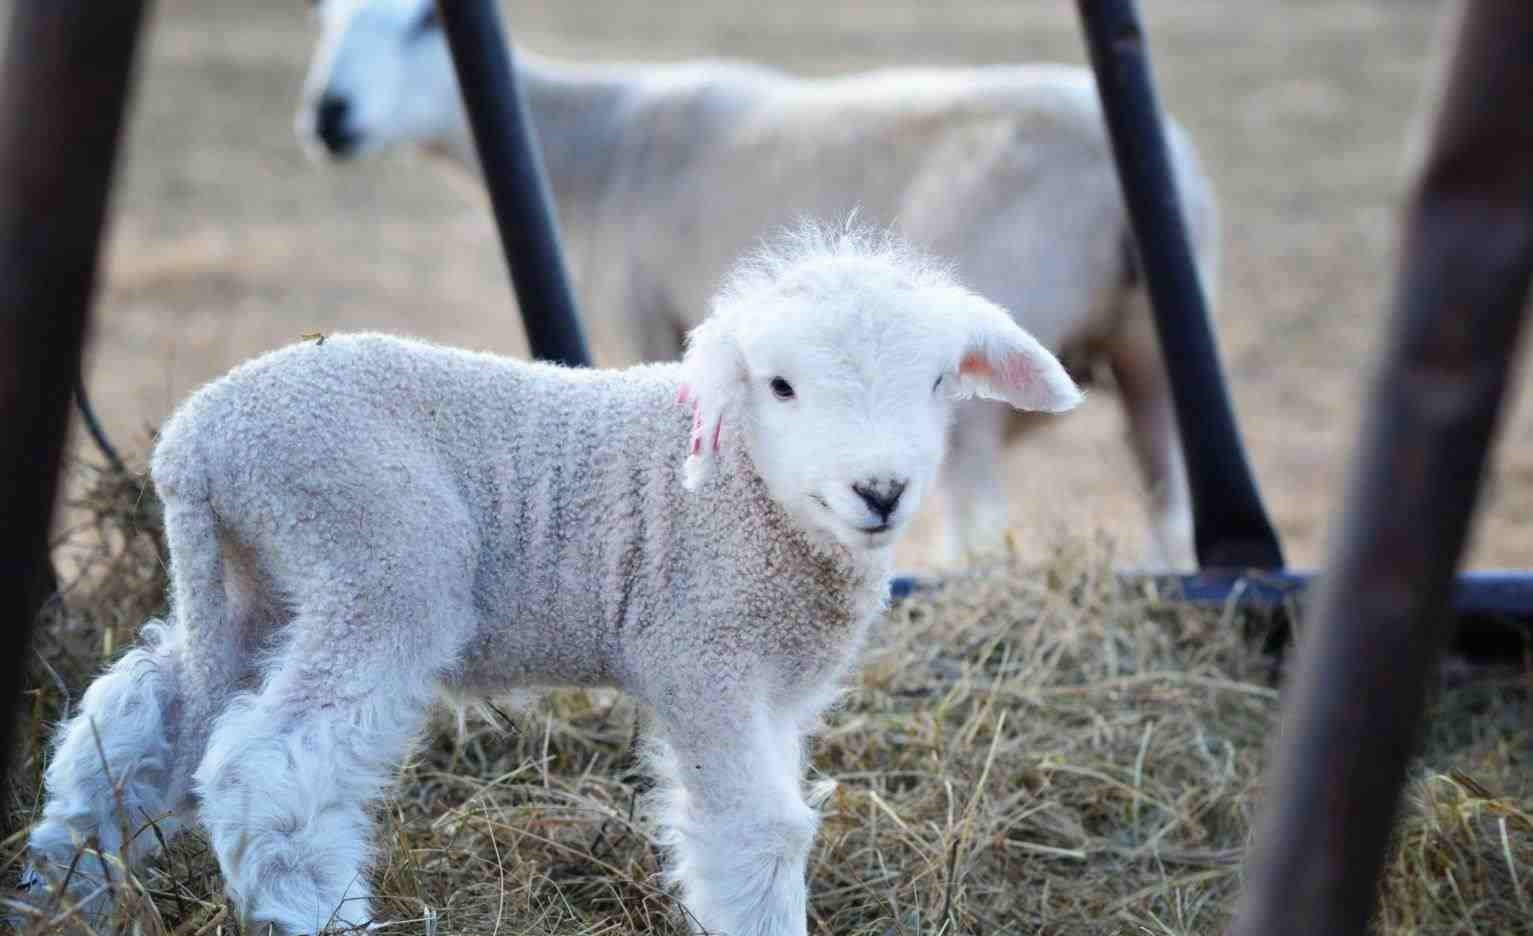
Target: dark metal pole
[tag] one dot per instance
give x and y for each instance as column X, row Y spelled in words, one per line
column 1354, row 711
column 1230, row 524
column 63, row 92
column 513, row 171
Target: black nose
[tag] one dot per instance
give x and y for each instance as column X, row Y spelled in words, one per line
column 881, row 497
column 330, row 124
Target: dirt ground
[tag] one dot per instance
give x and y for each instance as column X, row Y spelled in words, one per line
column 229, row 241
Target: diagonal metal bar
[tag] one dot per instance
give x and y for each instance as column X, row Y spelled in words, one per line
column 64, row 86
column 505, row 140
column 1354, row 711
column 1230, row 524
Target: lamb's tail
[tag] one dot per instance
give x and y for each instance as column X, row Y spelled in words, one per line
column 119, row 778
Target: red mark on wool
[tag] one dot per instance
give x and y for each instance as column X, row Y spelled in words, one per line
column 683, row 395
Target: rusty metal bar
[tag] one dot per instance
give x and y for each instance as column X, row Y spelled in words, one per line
column 1354, row 711
column 64, row 87
column 505, row 140
column 1229, row 522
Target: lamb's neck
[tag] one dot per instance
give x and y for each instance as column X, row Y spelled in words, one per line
column 742, row 496
column 575, row 112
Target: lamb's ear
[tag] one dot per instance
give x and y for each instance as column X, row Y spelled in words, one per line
column 713, row 382
column 1001, row 361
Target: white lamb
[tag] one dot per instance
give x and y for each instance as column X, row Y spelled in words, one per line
column 664, row 173
column 361, row 523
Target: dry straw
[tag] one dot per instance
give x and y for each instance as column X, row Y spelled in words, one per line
column 1028, row 750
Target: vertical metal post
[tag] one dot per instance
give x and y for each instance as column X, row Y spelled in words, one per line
column 513, row 171
column 1230, row 524
column 1355, row 707
column 63, row 92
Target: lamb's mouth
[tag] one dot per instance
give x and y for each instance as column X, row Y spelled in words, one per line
column 876, row 537
column 874, row 533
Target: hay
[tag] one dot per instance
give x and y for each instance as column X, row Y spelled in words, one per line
column 1028, row 751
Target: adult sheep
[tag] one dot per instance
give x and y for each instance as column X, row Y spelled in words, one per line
column 663, row 173
column 361, row 524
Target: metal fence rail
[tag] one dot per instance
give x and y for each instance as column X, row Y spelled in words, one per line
column 1354, row 712
column 66, row 76
column 1229, row 522
column 512, row 165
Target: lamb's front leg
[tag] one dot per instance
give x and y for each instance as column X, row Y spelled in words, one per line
column 734, row 817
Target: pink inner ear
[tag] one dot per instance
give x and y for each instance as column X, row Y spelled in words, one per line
column 974, row 364
column 1015, row 371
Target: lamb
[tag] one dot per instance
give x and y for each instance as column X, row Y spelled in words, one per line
column 361, row 525
column 663, row 173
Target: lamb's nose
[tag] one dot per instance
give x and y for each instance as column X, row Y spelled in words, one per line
column 330, row 124
column 881, row 497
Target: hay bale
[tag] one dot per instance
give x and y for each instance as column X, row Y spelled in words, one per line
column 1029, row 749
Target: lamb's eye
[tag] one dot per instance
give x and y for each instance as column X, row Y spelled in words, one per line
column 936, row 383
column 782, row 389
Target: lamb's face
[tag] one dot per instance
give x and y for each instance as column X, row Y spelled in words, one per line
column 381, row 75
column 846, row 408
column 843, row 381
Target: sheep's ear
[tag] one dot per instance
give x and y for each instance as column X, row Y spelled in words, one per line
column 713, row 382
column 1001, row 361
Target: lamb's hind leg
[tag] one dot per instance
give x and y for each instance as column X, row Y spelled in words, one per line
column 112, row 784
column 119, row 776
column 735, row 819
column 290, row 769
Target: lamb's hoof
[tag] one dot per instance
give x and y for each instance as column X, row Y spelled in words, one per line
column 35, row 900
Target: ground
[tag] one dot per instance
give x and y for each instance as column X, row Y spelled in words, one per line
column 228, row 241
column 1035, row 752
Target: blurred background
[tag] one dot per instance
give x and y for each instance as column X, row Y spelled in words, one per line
column 229, row 240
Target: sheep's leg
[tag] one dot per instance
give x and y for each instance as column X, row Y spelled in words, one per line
column 1150, row 413
column 734, row 817
column 290, row 769
column 112, row 784
column 977, row 515
column 285, row 786
column 119, row 777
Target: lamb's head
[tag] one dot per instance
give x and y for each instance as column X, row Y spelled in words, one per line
column 381, row 75
column 839, row 362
